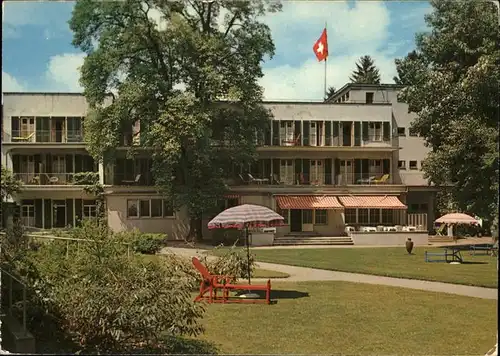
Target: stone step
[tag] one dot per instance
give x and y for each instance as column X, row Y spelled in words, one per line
column 300, row 243
column 282, row 241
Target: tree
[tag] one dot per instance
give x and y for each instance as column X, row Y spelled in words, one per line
column 453, row 79
column 9, row 185
column 190, row 79
column 407, row 68
column 330, row 91
column 366, row 72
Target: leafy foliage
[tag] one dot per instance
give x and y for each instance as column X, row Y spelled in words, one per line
column 233, row 262
column 366, row 72
column 190, row 79
column 107, row 301
column 453, row 78
column 9, row 185
column 142, row 242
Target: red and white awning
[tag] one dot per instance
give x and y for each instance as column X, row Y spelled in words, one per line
column 308, row 202
column 371, row 202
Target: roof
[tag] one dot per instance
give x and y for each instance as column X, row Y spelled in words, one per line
column 359, row 86
column 308, row 202
column 372, row 202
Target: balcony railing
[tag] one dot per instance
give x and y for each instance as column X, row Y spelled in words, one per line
column 314, row 179
column 45, row 136
column 86, row 178
column 139, row 179
column 334, row 141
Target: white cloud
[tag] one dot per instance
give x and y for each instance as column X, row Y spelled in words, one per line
column 63, row 72
column 353, row 31
column 9, row 83
column 307, row 81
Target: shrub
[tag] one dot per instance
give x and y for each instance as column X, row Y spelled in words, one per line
column 142, row 243
column 107, row 301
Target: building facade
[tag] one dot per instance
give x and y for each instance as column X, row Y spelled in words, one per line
column 348, row 161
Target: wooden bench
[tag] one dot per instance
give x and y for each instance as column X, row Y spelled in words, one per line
column 429, row 255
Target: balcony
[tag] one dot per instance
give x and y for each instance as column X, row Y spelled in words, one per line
column 144, row 179
column 44, row 136
column 312, row 179
column 82, row 178
column 327, row 134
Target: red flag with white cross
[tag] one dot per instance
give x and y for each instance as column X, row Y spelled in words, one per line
column 320, row 48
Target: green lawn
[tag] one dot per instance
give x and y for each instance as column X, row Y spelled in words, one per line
column 390, row 261
column 265, row 273
column 350, row 318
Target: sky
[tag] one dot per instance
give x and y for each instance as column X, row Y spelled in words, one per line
column 37, row 54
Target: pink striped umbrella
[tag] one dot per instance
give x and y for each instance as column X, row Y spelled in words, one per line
column 457, row 218
column 246, row 215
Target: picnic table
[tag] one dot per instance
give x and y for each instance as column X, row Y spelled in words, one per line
column 450, row 254
column 454, row 253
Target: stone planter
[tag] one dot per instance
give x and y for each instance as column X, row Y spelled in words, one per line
column 409, row 246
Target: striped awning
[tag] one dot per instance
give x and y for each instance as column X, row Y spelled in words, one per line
column 308, row 202
column 371, row 202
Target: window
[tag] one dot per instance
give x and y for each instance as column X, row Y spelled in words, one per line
column 156, row 207
column 144, row 208
column 369, row 98
column 168, row 210
column 89, row 209
column 350, row 216
column 387, row 216
column 363, row 216
column 402, row 164
column 375, row 131
column 412, row 132
column 132, row 209
column 149, row 208
column 28, row 211
column 284, row 213
column 423, row 208
column 401, row 131
column 307, row 216
column 28, row 214
column 413, row 165
column 374, row 216
column 321, row 217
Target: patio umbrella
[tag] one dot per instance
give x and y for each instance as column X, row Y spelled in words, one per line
column 457, row 218
column 243, row 217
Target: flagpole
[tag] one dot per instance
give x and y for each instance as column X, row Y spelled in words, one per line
column 326, row 61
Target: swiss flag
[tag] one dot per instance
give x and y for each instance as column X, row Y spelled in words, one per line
column 320, row 48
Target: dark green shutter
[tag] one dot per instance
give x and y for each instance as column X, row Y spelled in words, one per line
column 39, row 213
column 48, row 214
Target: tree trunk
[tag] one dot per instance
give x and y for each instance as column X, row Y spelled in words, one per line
column 195, row 233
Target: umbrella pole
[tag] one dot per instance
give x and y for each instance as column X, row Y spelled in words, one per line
column 248, row 253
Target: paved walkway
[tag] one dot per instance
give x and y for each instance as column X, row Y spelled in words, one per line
column 302, row 274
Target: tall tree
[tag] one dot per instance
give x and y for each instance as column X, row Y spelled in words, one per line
column 453, row 79
column 330, row 91
column 366, row 72
column 188, row 71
